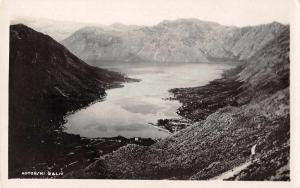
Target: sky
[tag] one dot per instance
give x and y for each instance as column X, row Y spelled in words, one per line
column 151, row 12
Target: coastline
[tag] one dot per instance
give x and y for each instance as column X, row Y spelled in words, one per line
column 205, row 99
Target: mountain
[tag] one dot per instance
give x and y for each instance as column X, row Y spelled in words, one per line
column 58, row 30
column 183, row 40
column 46, row 81
column 248, row 107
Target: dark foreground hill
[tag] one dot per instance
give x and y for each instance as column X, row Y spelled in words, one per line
column 45, row 82
column 248, row 106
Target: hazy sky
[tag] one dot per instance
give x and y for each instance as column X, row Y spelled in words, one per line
column 150, row 12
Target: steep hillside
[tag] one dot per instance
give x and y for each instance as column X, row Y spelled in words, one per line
column 183, row 40
column 254, row 111
column 45, row 82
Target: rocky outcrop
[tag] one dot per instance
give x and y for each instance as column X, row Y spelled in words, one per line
column 256, row 113
column 183, row 40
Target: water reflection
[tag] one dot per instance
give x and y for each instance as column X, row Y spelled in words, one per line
column 128, row 111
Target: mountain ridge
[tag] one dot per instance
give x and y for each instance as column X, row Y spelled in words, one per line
column 46, row 81
column 182, row 40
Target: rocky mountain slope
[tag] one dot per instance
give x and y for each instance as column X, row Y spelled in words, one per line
column 45, row 82
column 254, row 110
column 183, row 40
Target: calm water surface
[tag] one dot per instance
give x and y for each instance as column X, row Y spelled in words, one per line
column 128, row 111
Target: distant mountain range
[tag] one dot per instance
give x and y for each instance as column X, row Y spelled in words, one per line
column 183, row 40
column 60, row 30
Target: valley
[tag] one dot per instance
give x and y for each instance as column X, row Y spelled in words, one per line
column 225, row 109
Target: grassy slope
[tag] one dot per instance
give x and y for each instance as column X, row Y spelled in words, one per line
column 258, row 113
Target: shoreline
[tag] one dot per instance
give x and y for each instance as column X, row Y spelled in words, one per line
column 61, row 146
column 172, row 127
column 202, row 97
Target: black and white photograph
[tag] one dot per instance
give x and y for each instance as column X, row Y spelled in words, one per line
column 149, row 90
